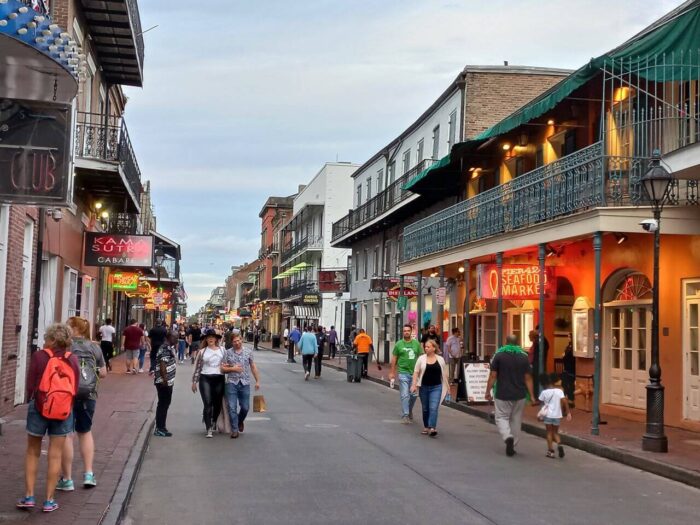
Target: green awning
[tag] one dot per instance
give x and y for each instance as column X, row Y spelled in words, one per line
column 282, row 275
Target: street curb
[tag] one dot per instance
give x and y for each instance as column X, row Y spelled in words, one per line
column 116, row 511
column 675, row 473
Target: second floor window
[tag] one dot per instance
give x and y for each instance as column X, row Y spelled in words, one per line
column 420, row 150
column 365, row 264
column 359, row 194
column 406, row 161
column 369, row 188
column 375, row 265
column 436, row 142
column 380, row 180
column 391, row 172
column 356, row 265
column 453, row 130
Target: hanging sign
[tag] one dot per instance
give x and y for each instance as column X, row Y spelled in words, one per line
column 108, row 249
column 335, row 281
column 440, row 295
column 124, row 281
column 476, row 377
column 310, row 299
column 519, row 281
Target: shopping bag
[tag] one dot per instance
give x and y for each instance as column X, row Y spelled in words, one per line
column 259, row 404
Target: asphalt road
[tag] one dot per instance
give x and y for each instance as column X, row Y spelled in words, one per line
column 332, row 452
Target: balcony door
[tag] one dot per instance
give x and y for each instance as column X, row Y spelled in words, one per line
column 691, row 351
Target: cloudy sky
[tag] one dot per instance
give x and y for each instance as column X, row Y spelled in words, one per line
column 243, row 99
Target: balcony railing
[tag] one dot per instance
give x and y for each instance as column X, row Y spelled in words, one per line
column 380, row 203
column 291, row 251
column 123, row 223
column 265, row 293
column 266, row 251
column 297, row 288
column 578, row 182
column 107, row 139
column 135, row 16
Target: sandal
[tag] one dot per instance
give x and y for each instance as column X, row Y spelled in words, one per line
column 433, row 433
column 550, row 454
column 425, row 431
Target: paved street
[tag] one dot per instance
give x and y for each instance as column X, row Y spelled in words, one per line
column 329, row 451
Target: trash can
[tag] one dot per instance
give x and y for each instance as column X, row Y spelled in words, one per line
column 276, row 341
column 354, row 368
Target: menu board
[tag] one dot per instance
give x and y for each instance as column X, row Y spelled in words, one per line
column 476, row 376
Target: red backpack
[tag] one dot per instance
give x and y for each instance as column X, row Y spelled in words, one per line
column 56, row 392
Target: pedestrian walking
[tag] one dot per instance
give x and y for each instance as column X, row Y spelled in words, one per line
column 238, row 365
column 404, row 357
column 211, row 381
column 431, row 382
column 308, row 345
column 294, row 338
column 352, row 335
column 332, row 342
column 107, row 333
column 453, row 351
column 194, row 338
column 132, row 340
column 285, row 336
column 92, row 368
column 53, row 374
column 157, row 336
column 363, row 346
column 431, row 334
column 512, row 375
column 321, row 344
column 164, row 380
column 568, row 376
column 555, row 406
column 145, row 341
column 181, row 344
column 256, row 337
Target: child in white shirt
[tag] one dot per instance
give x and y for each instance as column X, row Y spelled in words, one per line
column 555, row 406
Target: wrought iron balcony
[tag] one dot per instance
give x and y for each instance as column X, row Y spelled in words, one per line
column 305, row 244
column 124, row 223
column 106, row 139
column 578, row 182
column 297, row 288
column 379, row 204
column 269, row 250
column 265, row 293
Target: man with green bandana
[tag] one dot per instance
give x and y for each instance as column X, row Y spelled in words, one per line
column 510, row 370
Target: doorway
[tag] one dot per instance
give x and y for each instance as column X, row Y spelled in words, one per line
column 24, row 300
column 691, row 350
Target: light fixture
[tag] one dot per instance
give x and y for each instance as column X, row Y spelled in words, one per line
column 505, row 146
column 550, row 122
column 98, row 205
column 434, row 273
column 472, row 169
column 105, row 214
column 551, row 251
column 461, row 269
column 621, row 237
column 657, row 181
column 159, row 255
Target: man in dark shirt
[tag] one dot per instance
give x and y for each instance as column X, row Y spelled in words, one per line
column 432, row 334
column 157, row 335
column 332, row 342
column 511, row 372
column 534, row 355
column 194, row 338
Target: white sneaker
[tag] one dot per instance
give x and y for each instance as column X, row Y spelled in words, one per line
column 140, row 370
column 306, row 376
column 210, row 434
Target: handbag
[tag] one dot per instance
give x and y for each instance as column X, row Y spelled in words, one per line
column 259, row 404
column 544, row 411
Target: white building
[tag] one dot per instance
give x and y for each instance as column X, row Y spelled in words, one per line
column 306, row 249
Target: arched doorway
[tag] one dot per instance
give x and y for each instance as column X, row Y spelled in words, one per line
column 627, row 342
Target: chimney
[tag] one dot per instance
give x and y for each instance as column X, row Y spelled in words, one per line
column 505, row 62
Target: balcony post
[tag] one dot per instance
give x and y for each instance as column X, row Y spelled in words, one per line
column 441, row 307
column 541, row 363
column 419, row 313
column 595, row 422
column 499, row 319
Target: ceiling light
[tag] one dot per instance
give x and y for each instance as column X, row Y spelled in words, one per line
column 105, row 215
column 621, row 237
column 472, row 169
column 505, row 146
column 550, row 122
column 98, row 205
column 461, row 269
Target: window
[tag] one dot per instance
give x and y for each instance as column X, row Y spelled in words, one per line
column 519, row 166
column 365, row 263
column 391, row 172
column 489, row 180
column 71, row 306
column 359, row 194
column 453, row 130
column 406, row 161
column 569, row 145
column 436, row 142
column 356, row 263
column 486, row 331
column 380, row 180
column 539, row 156
column 369, row 188
column 388, row 268
column 375, row 262
column 420, row 150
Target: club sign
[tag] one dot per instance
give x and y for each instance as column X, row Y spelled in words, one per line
column 120, row 251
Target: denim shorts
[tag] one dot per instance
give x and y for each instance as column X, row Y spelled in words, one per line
column 83, row 412
column 552, row 421
column 131, row 355
column 38, row 425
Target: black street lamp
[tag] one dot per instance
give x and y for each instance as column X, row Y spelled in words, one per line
column 159, row 256
column 657, row 182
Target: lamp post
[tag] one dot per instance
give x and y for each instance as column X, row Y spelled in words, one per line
column 159, row 255
column 656, row 181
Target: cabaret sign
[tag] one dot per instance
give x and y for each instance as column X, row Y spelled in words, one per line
column 518, row 282
column 107, row 249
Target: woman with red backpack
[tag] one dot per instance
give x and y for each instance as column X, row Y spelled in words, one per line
column 52, row 386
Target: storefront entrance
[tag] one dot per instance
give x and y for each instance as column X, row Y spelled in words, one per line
column 691, row 350
column 628, row 341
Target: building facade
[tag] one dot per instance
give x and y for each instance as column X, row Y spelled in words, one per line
column 372, row 229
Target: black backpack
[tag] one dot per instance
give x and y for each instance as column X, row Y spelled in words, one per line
column 88, row 380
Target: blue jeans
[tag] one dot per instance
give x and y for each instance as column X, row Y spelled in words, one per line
column 181, row 345
column 430, row 400
column 237, row 394
column 142, row 357
column 407, row 398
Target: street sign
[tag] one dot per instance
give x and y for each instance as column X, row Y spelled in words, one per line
column 440, row 294
column 158, row 298
column 403, row 302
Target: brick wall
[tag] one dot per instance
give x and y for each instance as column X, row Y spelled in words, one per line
column 13, row 290
column 493, row 96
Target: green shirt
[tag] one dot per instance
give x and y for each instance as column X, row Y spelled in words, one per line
column 407, row 353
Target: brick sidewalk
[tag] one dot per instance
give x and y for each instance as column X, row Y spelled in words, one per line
column 619, row 439
column 124, row 406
